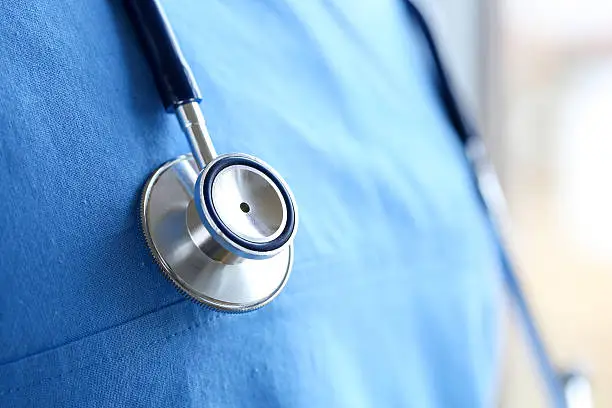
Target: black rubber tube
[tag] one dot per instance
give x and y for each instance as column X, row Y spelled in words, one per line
column 173, row 77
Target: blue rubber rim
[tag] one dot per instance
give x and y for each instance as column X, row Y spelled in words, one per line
column 206, row 188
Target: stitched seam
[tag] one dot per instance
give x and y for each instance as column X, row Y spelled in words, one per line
column 120, row 358
column 89, row 335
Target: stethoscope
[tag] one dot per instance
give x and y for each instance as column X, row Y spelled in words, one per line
column 221, row 227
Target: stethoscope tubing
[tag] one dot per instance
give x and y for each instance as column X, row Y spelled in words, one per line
column 484, row 178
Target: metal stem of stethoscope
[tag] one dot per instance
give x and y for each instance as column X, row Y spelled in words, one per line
column 220, row 227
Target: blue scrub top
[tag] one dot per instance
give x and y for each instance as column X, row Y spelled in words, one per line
column 393, row 300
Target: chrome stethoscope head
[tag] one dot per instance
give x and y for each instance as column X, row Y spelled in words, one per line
column 220, row 227
column 223, row 236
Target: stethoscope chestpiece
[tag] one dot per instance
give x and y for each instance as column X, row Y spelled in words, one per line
column 224, row 236
column 221, row 228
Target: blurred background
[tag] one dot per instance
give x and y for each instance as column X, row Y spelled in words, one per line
column 536, row 76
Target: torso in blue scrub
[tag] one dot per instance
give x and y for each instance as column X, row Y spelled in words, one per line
column 393, row 300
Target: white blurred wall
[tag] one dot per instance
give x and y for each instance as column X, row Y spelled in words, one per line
column 555, row 107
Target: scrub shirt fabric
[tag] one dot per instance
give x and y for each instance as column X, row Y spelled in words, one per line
column 394, row 296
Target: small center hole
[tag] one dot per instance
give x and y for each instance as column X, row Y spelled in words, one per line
column 245, row 207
